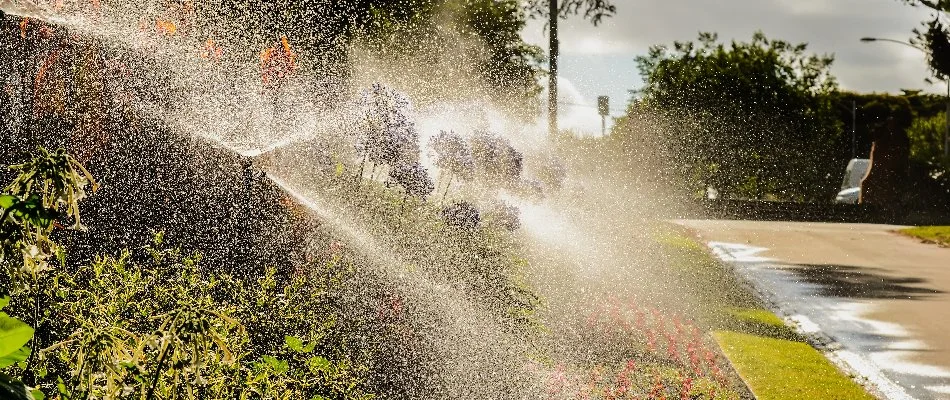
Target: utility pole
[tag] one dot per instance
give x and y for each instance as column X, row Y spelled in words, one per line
column 603, row 108
column 854, row 129
column 946, row 127
column 552, row 78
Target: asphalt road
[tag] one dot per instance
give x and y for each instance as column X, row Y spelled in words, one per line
column 879, row 302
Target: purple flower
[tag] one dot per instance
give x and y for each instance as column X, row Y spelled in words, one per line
column 388, row 135
column 533, row 188
column 453, row 154
column 461, row 215
column 496, row 157
column 413, row 178
column 506, row 216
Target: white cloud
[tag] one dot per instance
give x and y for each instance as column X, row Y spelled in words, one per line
column 832, row 27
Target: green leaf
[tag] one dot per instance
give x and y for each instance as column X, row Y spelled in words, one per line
column 33, row 212
column 19, row 355
column 13, row 334
column 298, row 345
column 7, row 201
column 37, row 394
column 4, row 301
column 320, row 363
column 61, row 387
column 294, row 344
column 12, row 389
column 279, row 366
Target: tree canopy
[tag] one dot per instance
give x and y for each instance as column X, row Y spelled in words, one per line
column 934, row 38
column 594, row 10
column 761, row 123
column 488, row 31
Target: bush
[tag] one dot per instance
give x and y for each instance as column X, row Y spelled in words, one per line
column 151, row 323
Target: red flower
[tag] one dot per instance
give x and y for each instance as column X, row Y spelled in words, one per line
column 277, row 62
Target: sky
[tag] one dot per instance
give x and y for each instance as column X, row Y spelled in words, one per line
column 600, row 60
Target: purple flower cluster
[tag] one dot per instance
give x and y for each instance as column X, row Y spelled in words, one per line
column 413, row 178
column 453, row 154
column 461, row 215
column 495, row 156
column 389, row 135
column 506, row 216
column 533, row 188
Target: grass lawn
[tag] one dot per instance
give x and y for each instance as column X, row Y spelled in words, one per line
column 784, row 369
column 774, row 360
column 934, row 234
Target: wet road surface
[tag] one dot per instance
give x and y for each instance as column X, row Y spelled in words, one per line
column 878, row 302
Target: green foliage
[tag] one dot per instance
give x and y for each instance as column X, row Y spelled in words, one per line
column 873, row 110
column 594, row 10
column 186, row 340
column 48, row 187
column 511, row 63
column 57, row 177
column 398, row 31
column 755, row 111
column 482, row 263
column 934, row 38
column 926, row 142
column 153, row 324
column 14, row 335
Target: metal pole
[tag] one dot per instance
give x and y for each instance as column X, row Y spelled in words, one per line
column 946, row 127
column 603, row 125
column 552, row 79
column 854, row 124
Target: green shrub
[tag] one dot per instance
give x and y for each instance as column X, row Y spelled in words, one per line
column 151, row 323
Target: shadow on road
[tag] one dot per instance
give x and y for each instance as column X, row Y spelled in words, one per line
column 861, row 282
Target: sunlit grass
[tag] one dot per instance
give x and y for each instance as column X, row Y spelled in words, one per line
column 764, row 323
column 934, row 234
column 777, row 369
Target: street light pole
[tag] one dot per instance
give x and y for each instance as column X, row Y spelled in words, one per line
column 946, row 127
column 552, row 77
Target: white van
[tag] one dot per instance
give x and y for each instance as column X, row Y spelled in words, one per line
column 851, row 186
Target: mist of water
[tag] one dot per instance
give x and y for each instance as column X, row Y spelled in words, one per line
column 585, row 242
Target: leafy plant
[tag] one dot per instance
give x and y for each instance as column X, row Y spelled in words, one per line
column 48, row 187
column 14, row 335
column 152, row 323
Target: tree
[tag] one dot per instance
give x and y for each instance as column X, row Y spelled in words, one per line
column 761, row 123
column 935, row 37
column 487, row 31
column 871, row 111
column 594, row 10
column 926, row 137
